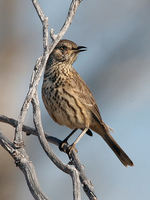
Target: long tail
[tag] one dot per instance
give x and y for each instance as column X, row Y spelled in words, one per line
column 117, row 149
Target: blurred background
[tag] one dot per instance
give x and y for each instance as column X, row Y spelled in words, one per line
column 115, row 67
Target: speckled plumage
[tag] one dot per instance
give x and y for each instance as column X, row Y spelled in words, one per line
column 68, row 99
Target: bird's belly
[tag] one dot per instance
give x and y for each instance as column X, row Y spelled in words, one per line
column 63, row 109
column 62, row 119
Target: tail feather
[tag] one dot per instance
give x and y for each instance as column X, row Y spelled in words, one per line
column 103, row 130
column 117, row 149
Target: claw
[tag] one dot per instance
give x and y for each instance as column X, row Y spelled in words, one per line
column 70, row 149
column 62, row 145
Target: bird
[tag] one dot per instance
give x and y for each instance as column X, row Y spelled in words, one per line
column 70, row 102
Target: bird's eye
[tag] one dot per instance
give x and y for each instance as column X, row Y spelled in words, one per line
column 63, row 47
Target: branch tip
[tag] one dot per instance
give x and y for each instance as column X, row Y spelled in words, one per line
column 52, row 35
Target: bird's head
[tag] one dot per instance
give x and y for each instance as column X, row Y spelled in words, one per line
column 67, row 51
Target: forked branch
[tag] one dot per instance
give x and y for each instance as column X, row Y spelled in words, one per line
column 16, row 149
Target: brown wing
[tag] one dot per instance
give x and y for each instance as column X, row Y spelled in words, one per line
column 84, row 94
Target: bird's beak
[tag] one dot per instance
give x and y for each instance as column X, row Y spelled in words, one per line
column 80, row 49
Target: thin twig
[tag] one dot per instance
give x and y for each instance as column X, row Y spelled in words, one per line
column 26, row 166
column 86, row 183
column 28, row 130
column 36, row 75
column 74, row 172
column 39, row 67
column 41, row 136
column 72, row 10
column 48, row 150
column 76, row 185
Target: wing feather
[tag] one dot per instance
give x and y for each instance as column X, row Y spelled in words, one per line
column 84, row 95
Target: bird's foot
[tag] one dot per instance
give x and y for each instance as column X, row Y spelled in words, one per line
column 63, row 146
column 70, row 149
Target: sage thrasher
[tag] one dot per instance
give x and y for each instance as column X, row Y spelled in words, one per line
column 70, row 102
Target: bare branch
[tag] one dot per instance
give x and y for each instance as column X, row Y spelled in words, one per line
column 86, row 183
column 36, row 75
column 26, row 166
column 44, row 21
column 41, row 135
column 28, row 130
column 19, row 155
column 72, row 10
column 39, row 67
column 38, row 10
column 76, row 185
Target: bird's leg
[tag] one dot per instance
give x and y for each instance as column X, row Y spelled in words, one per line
column 66, row 139
column 72, row 146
